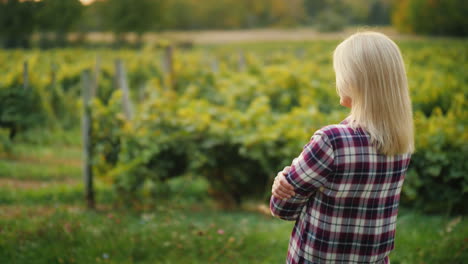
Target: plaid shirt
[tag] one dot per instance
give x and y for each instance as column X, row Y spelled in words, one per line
column 346, row 200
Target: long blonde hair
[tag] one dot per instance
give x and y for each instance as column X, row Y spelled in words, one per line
column 370, row 71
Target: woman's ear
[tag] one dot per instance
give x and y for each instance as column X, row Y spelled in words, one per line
column 345, row 101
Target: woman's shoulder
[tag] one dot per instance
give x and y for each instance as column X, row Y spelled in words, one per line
column 339, row 130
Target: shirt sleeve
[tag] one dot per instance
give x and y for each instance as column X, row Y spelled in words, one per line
column 309, row 172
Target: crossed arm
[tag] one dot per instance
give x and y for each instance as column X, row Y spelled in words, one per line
column 294, row 185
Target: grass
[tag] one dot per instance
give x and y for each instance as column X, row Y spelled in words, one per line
column 160, row 236
column 27, row 170
column 43, row 220
column 195, row 235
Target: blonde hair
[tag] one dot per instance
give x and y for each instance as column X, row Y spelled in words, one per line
column 370, row 71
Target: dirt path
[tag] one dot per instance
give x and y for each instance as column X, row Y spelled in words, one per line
column 248, row 35
column 43, row 159
column 15, row 211
column 35, row 184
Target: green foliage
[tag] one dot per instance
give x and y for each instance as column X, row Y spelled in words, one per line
column 432, row 17
column 379, row 13
column 54, row 19
column 225, row 135
column 191, row 14
column 19, row 19
column 124, row 16
column 59, row 17
column 437, row 169
column 106, row 133
column 329, row 20
column 16, row 23
column 237, row 128
column 314, row 7
column 5, row 142
column 20, row 109
column 49, row 100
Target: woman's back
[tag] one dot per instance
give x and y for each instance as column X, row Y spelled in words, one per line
column 351, row 216
column 344, row 188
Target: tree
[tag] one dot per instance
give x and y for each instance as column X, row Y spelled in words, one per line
column 179, row 14
column 58, row 17
column 124, row 16
column 287, row 13
column 314, row 7
column 435, row 17
column 379, row 13
column 16, row 23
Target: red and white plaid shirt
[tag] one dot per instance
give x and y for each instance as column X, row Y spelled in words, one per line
column 346, row 200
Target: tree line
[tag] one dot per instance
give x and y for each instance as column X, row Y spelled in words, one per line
column 52, row 20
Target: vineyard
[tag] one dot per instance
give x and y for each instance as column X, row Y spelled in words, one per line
column 233, row 115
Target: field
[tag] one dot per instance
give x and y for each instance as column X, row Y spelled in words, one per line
column 168, row 181
column 43, row 220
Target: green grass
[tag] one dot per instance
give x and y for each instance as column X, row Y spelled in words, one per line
column 49, row 224
column 41, row 158
column 56, row 194
column 27, row 170
column 57, row 152
column 430, row 239
column 196, row 235
column 160, row 236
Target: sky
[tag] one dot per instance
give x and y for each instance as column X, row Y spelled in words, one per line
column 86, row 1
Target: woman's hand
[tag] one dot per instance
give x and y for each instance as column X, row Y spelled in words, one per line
column 281, row 188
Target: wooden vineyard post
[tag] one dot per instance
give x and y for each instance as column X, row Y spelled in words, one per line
column 25, row 75
column 97, row 71
column 142, row 92
column 212, row 60
column 86, row 136
column 168, row 67
column 241, row 61
column 53, row 74
column 300, row 53
column 214, row 65
column 123, row 84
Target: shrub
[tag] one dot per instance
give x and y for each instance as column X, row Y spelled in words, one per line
column 431, row 17
column 21, row 109
column 237, row 128
column 437, row 179
column 329, row 21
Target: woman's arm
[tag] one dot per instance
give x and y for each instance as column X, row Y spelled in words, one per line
column 308, row 173
column 281, row 188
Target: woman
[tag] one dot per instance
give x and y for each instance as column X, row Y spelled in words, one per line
column 343, row 189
